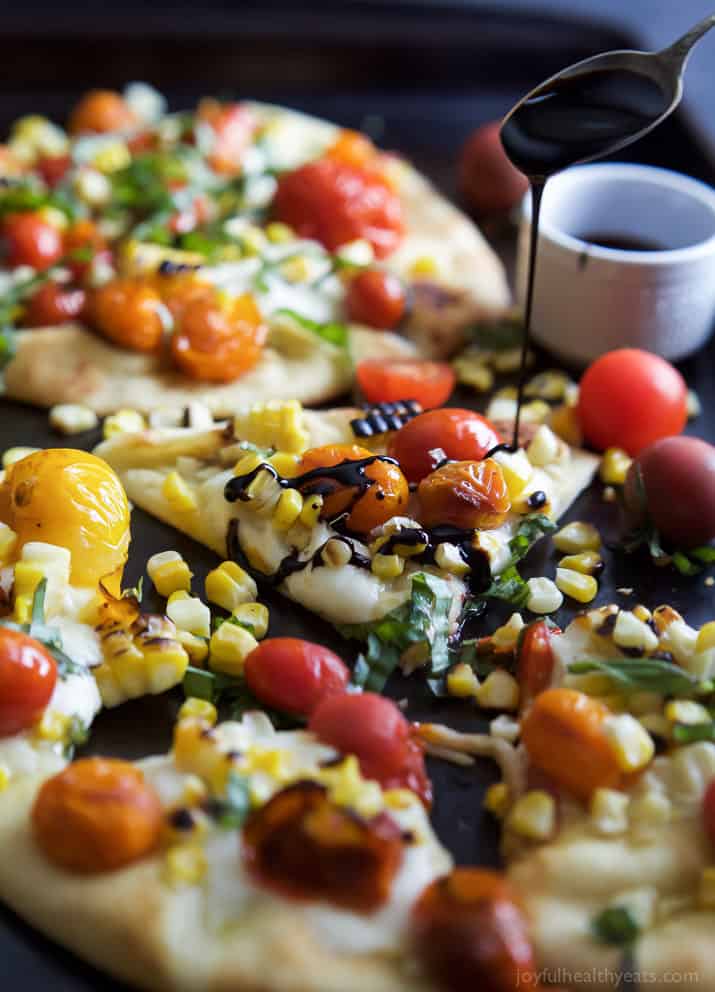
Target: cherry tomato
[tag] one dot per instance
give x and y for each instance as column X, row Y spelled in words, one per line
column 335, row 203
column 465, row 494
column 128, row 313
column 293, row 675
column 53, row 168
column 233, row 127
column 430, row 383
column 54, row 303
column 101, row 111
column 424, row 442
column 31, row 240
column 214, row 343
column 535, row 659
column 367, row 725
column 28, row 674
column 376, row 298
column 412, row 775
column 709, row 811
column 629, row 398
column 673, row 483
column 383, row 494
column 487, row 179
column 84, row 238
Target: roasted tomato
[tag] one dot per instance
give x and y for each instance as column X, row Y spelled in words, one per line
column 53, row 168
column 306, row 847
column 430, row 383
column 293, row 675
column 28, row 674
column 129, row 313
column 464, row 494
column 470, row 933
column 376, row 298
column 368, row 726
column 97, row 815
column 101, row 111
column 84, row 239
column 534, row 658
column 232, row 126
column 54, row 303
column 629, row 398
column 73, row 499
column 461, row 435
column 487, row 180
column 31, row 240
column 218, row 343
column 335, row 203
column 369, row 494
column 709, row 811
column 672, row 482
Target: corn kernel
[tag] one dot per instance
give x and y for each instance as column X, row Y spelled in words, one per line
column 507, row 635
column 516, row 469
column 247, row 463
column 630, row 742
column 509, row 360
column 123, row 422
column 614, row 466
column 52, row 726
column 706, row 891
column 505, row 727
column 647, row 814
column 499, row 691
column 169, row 573
column 288, row 509
column 8, row 542
column 549, row 385
column 681, row 640
column 285, row 463
column 190, row 614
column 686, row 711
column 13, row 455
column 387, row 566
column 630, row 632
column 111, row 157
column 253, row 240
column 357, row 252
column 200, row 708
column 229, row 585
column 72, row 418
column 273, row 425
column 54, row 217
column 424, row 266
column 564, row 422
column 195, row 751
column 264, row 493
column 177, row 492
column 576, row 537
column 4, row 777
column 533, row 815
column 22, row 612
column 185, row 864
column 582, row 588
column 706, row 637
column 28, row 576
column 312, row 508
column 255, row 616
column 496, row 799
column 195, row 791
column 462, row 682
column 448, row 557
column 544, row 596
column 609, row 811
column 587, row 562
column 229, row 647
column 296, row 269
column 472, row 371
column 545, row 448
column 196, row 647
column 279, row 233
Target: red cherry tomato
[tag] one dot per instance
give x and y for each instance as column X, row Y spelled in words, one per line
column 30, row 240
column 629, row 398
column 334, row 203
column 487, row 179
column 430, row 383
column 53, row 168
column 53, row 304
column 376, row 298
column 28, row 674
column 709, row 811
column 294, row 675
column 368, row 726
column 535, row 659
column 676, row 489
column 462, row 435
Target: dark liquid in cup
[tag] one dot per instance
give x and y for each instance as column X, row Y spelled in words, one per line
column 623, row 242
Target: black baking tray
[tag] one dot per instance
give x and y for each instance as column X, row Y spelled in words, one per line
column 419, row 79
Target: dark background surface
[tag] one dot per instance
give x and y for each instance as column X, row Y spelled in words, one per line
column 419, row 81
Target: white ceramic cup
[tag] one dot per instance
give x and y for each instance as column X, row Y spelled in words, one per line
column 589, row 299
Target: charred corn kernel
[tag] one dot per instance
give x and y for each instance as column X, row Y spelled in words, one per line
column 112, row 156
column 462, row 682
column 255, row 616
column 587, row 562
column 614, row 466
column 4, row 777
column 507, row 635
column 544, row 595
column 123, row 422
column 424, row 266
column 185, row 864
column 472, row 371
column 642, row 612
column 8, row 542
column 312, row 507
column 202, row 709
column 72, row 418
column 564, row 422
column 499, row 691
column 273, row 425
column 630, row 742
column 630, row 632
column 177, row 492
column 496, row 799
column 229, row 647
column 52, row 726
column 582, row 588
column 190, row 614
column 336, row 553
column 28, row 576
column 706, row 637
column 544, row 448
column 449, row 558
column 664, row 616
column 576, row 537
column 686, row 711
column 145, row 659
column 387, row 566
column 169, row 573
column 516, row 469
column 196, row 647
column 279, row 233
column 288, row 509
column 13, row 455
column 229, row 585
column 609, row 811
column 706, row 891
column 247, row 463
column 533, row 815
column 264, row 492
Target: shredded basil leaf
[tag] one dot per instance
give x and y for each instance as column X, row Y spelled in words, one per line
column 47, row 635
column 498, row 335
column 689, row 733
column 509, row 585
column 641, row 674
column 615, row 925
column 333, row 332
column 233, row 696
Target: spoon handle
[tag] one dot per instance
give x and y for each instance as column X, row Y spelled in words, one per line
column 681, row 48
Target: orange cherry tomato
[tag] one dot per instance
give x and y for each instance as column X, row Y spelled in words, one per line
column 128, row 313
column 28, row 674
column 101, row 111
column 377, row 492
column 97, row 815
column 353, row 148
column 430, row 383
column 53, row 168
column 567, row 722
column 214, row 343
column 335, row 203
column 470, row 933
column 376, row 298
column 31, row 240
column 630, row 398
column 54, row 303
column 424, row 442
column 464, row 494
column 83, row 237
column 293, row 675
column 535, row 658
column 233, row 126
column 487, row 179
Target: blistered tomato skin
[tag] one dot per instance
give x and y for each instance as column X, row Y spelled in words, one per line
column 376, row 298
column 28, row 674
column 487, row 179
column 30, row 240
column 216, row 343
column 464, row 494
column 54, row 304
column 430, row 383
column 672, row 482
column 293, row 675
column 462, row 435
column 101, row 111
column 127, row 312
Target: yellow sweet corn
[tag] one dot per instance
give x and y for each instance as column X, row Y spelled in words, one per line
column 614, row 466
column 609, row 811
column 706, row 637
column 544, row 448
column 279, row 233
column 576, row 537
column 424, row 266
column 473, row 371
column 28, row 576
column 253, row 615
column 229, row 647
column 686, row 711
column 273, row 425
column 169, row 573
column 586, row 562
column 177, row 492
column 246, row 463
column 264, row 492
column 296, row 269
column 347, row 787
column 387, row 566
column 143, row 659
column 544, row 596
column 138, row 258
column 516, row 469
column 189, row 613
column 52, row 726
column 8, row 542
column 507, row 635
column 630, row 632
column 497, row 799
column 288, row 509
column 564, row 422
column 285, row 463
column 499, row 691
column 112, row 156
column 4, row 777
column 533, row 815
column 462, row 682
column 22, row 612
column 202, row 709
column 72, row 418
column 196, row 647
column 196, row 751
column 185, row 864
column 229, row 585
column 630, row 742
column 449, row 558
column 123, row 422
column 312, row 507
column 582, row 588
